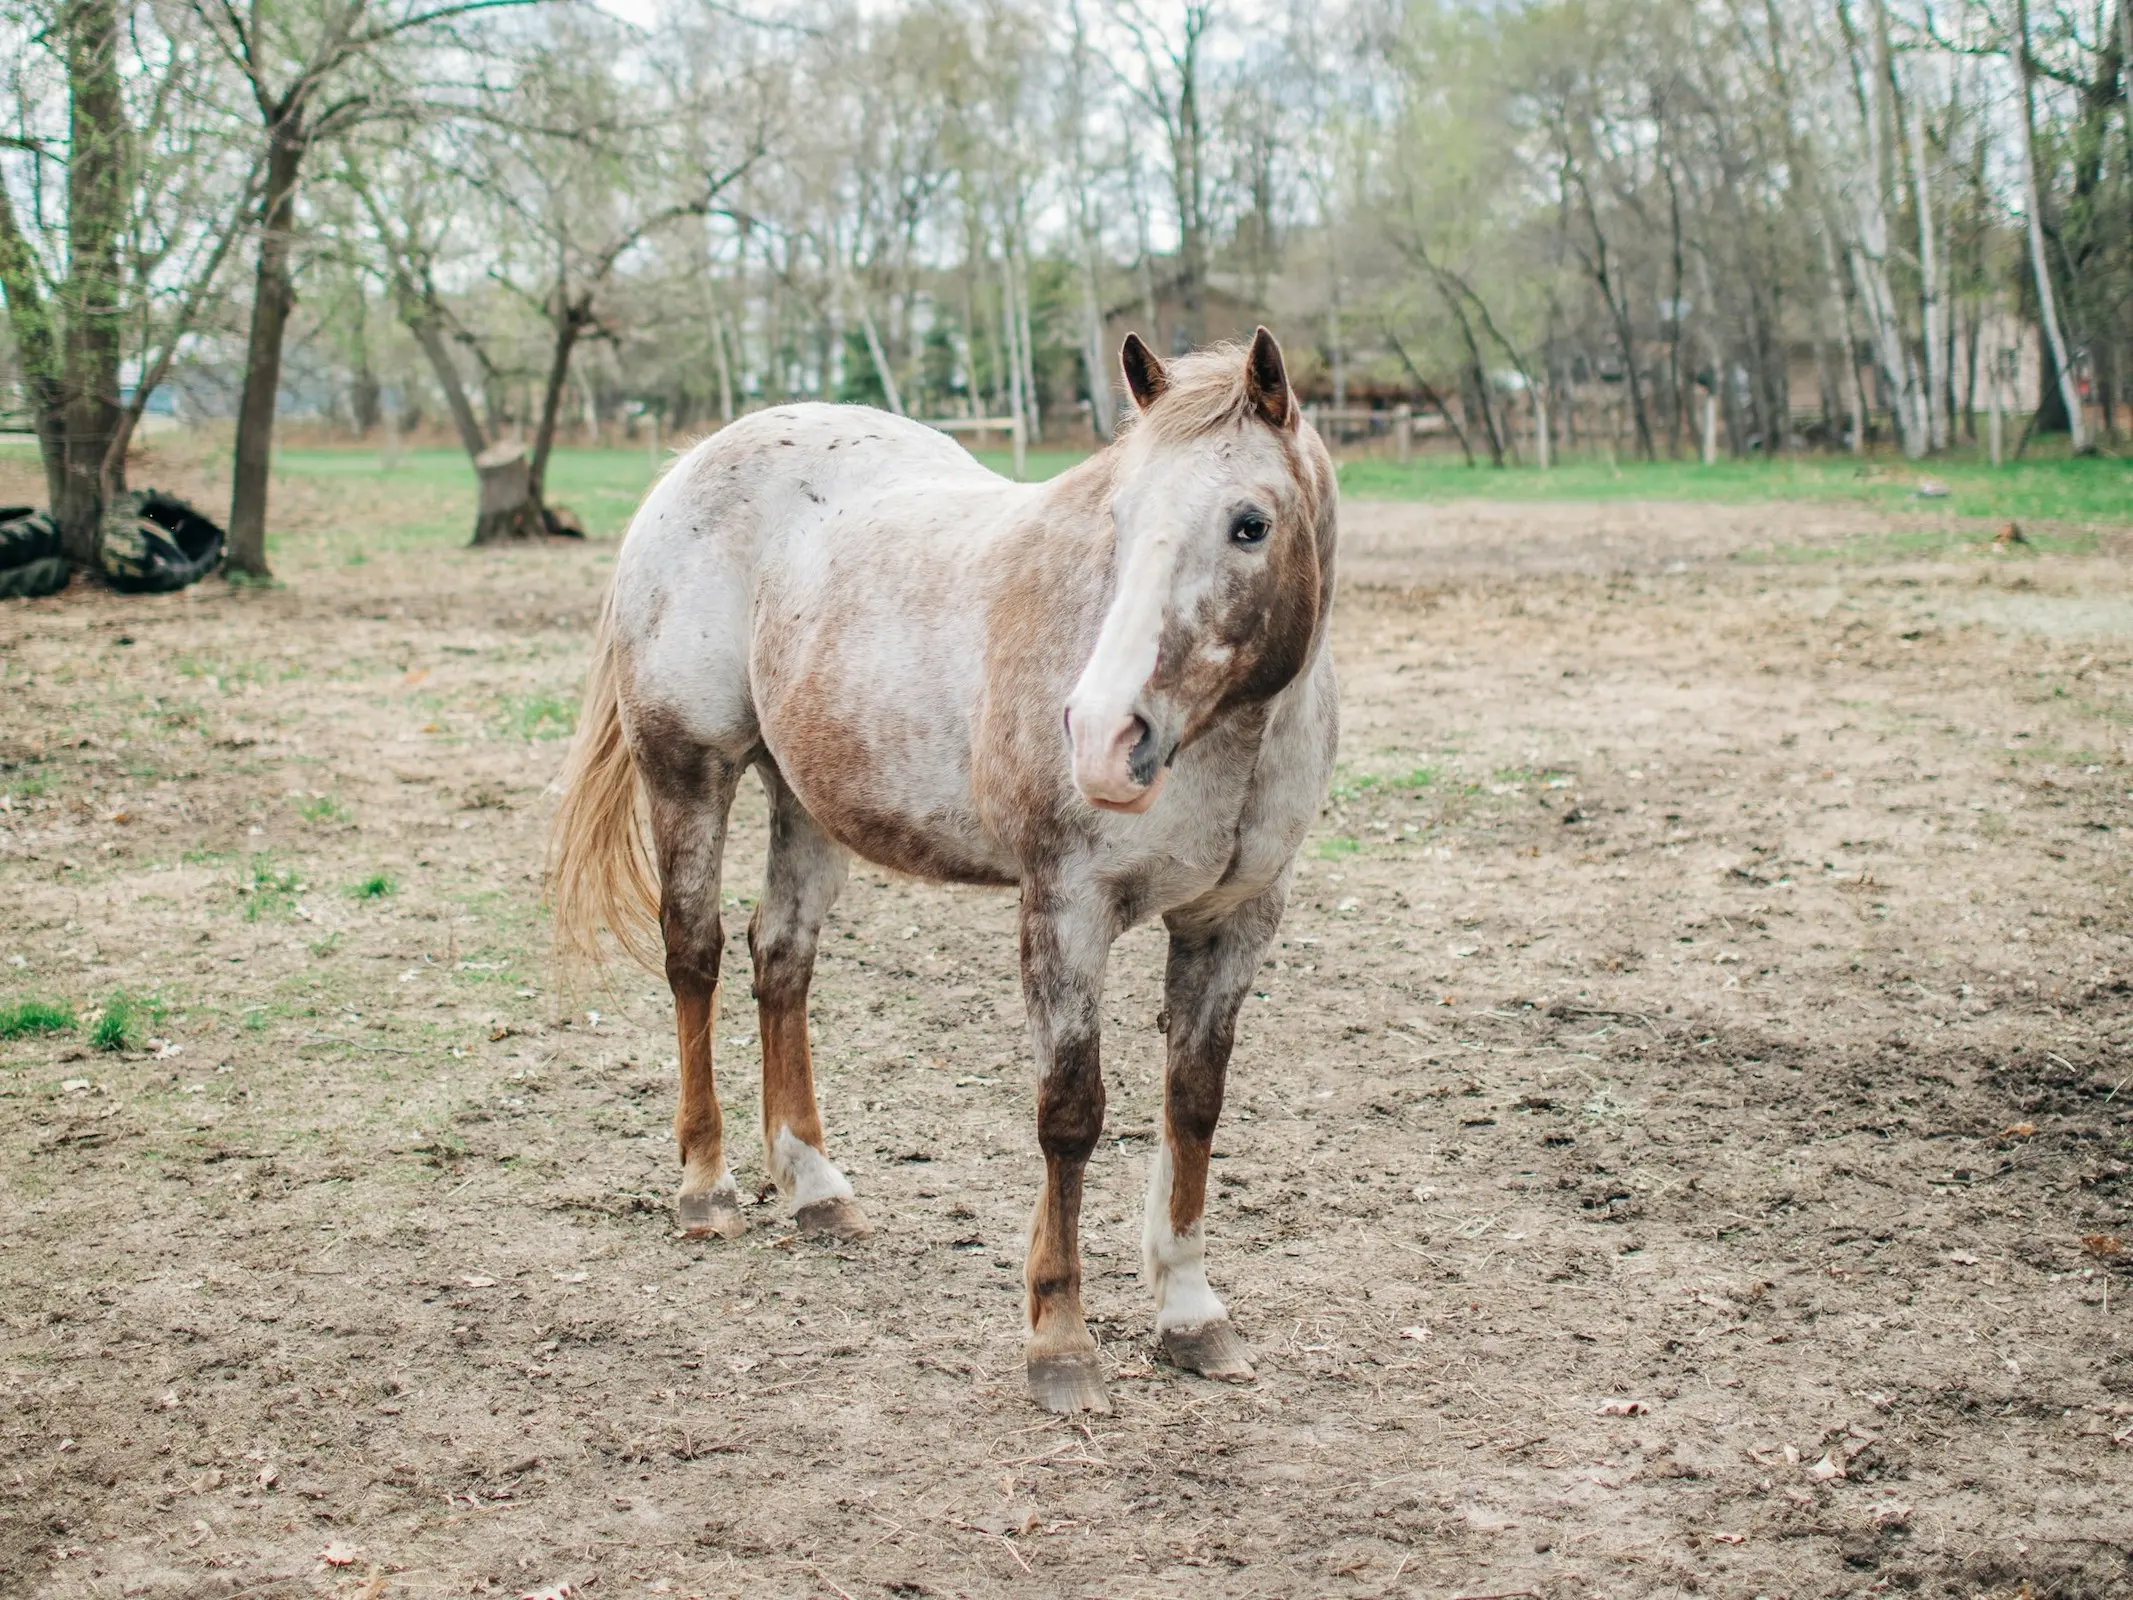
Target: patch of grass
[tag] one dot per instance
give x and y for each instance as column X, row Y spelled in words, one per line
column 220, row 670
column 1353, row 786
column 27, row 1018
column 2056, row 488
column 27, row 789
column 540, row 716
column 375, row 887
column 271, row 892
column 1037, row 465
column 322, row 808
column 123, row 1021
column 1335, row 848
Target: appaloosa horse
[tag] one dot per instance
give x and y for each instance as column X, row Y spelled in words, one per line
column 1113, row 690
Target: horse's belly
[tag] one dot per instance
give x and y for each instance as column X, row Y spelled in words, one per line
column 870, row 727
column 877, row 811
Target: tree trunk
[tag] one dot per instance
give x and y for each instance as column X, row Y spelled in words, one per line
column 1032, row 406
column 509, row 507
column 262, row 370
column 29, row 320
column 1933, row 305
column 2058, row 374
column 571, row 316
column 422, row 323
column 1092, row 316
column 96, row 203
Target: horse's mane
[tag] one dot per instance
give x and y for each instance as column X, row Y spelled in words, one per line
column 1205, row 394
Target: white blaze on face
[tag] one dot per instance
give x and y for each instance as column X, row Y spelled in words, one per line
column 1175, row 1265
column 1166, row 525
column 804, row 1173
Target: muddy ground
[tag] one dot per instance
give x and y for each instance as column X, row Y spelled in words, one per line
column 1678, row 1147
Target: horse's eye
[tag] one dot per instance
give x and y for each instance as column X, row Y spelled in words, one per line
column 1248, row 528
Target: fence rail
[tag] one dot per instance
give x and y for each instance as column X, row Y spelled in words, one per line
column 1007, row 425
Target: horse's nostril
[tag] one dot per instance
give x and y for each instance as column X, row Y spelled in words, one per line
column 1141, row 760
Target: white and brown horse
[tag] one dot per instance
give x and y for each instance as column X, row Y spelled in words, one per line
column 1113, row 690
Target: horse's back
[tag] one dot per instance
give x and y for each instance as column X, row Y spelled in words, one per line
column 810, row 580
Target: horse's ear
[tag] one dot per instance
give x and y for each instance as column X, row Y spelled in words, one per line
column 1266, row 381
column 1145, row 375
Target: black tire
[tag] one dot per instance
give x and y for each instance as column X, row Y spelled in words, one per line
column 155, row 542
column 30, row 560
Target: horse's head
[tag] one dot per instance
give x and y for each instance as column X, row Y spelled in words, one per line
column 1222, row 509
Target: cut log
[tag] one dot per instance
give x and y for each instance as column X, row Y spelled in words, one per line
column 508, row 508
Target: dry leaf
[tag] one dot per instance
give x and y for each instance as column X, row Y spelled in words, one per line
column 1416, row 1333
column 1961, row 1258
column 548, row 1591
column 1824, row 1470
column 1622, row 1408
column 1729, row 1538
column 338, row 1554
column 2018, row 1130
column 1792, row 1455
column 2102, row 1244
column 478, row 1281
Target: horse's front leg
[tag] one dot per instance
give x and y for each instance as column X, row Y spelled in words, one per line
column 1212, row 963
column 1064, row 947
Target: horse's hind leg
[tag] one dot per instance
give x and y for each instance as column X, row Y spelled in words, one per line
column 804, row 874
column 690, row 789
column 1210, row 971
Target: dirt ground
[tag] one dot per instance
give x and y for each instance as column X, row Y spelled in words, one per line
column 1678, row 1146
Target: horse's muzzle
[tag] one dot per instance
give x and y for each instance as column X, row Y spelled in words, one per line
column 1119, row 766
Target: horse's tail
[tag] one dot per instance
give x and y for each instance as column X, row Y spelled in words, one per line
column 600, row 868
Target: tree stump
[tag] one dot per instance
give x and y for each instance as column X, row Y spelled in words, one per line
column 508, row 509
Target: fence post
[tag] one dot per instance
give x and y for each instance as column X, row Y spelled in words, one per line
column 1710, row 429
column 1403, row 433
column 1021, row 442
column 1540, row 426
column 1993, row 426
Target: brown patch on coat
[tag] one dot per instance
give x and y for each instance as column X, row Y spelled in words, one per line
column 826, row 757
column 1048, row 598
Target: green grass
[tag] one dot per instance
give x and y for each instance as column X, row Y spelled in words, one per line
column 2094, row 489
column 427, row 496
column 375, row 887
column 1037, row 465
column 26, row 1018
column 271, row 892
column 318, row 808
column 122, row 1022
column 540, row 716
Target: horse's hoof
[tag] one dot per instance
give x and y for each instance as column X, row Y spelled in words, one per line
column 713, row 1212
column 1068, row 1384
column 1213, row 1350
column 835, row 1218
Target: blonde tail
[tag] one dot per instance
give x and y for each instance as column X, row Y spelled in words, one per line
column 600, row 868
